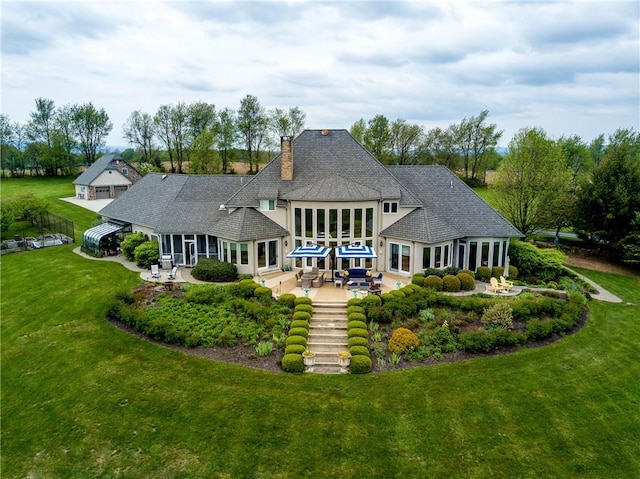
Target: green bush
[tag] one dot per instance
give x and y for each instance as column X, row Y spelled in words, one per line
column 287, row 299
column 146, row 254
column 130, row 243
column 307, row 308
column 294, row 339
column 513, row 272
column 360, row 365
column 303, row 300
column 370, row 301
column 537, row 329
column 299, row 323
column 500, row 315
column 359, row 351
column 263, row 293
column 483, row 273
column 497, row 271
column 293, row 363
column 295, row 349
column 476, row 341
column 357, row 317
column 304, row 332
column 355, row 309
column 433, row 282
column 403, row 340
column 410, row 289
column 379, row 314
column 435, row 272
column 213, row 270
column 356, row 324
column 545, row 264
column 357, row 332
column 357, row 341
column 467, row 283
column 454, row 270
column 450, row 284
column 418, row 279
column 303, row 315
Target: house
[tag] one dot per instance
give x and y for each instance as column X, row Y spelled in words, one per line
column 108, row 177
column 323, row 188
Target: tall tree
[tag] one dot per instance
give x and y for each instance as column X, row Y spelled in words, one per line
column 530, row 179
column 596, row 149
column 162, row 124
column 226, row 136
column 41, row 129
column 287, row 123
column 91, row 126
column 202, row 125
column 609, row 203
column 475, row 140
column 138, row 130
column 66, row 139
column 577, row 155
column 405, row 140
column 439, row 147
column 377, row 138
column 358, row 129
column 253, row 125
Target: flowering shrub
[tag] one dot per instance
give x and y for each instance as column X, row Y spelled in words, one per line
column 402, row 340
column 500, row 315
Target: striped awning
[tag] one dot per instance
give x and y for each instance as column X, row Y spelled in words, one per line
column 310, row 251
column 355, row 251
column 91, row 238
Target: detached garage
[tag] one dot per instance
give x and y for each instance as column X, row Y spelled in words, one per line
column 109, row 177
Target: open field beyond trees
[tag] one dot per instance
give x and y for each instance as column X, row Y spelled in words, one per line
column 82, row 398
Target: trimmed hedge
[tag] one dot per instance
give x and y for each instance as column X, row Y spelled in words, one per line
column 357, row 317
column 303, row 300
column 287, row 299
column 302, row 316
column 299, row 323
column 451, row 284
column 467, row 283
column 360, row 365
column 359, row 351
column 357, row 332
column 355, row 309
column 295, row 339
column 371, row 301
column 211, row 269
column 356, row 324
column 304, row 332
column 357, row 341
column 307, row 308
column 418, row 279
column 263, row 293
column 483, row 273
column 293, row 363
column 433, row 282
column 295, row 349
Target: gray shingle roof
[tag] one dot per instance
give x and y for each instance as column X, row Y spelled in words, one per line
column 331, row 167
column 98, row 166
column 247, row 224
column 450, row 208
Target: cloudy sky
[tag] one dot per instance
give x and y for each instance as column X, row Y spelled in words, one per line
column 567, row 67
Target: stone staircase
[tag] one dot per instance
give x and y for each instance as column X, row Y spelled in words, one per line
column 327, row 335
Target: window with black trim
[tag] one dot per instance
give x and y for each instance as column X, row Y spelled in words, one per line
column 390, row 207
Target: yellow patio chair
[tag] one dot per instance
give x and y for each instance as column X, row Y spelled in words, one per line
column 504, row 284
column 494, row 285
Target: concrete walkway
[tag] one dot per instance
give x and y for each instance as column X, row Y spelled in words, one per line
column 92, row 205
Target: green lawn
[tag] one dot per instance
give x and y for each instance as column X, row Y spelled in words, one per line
column 81, row 398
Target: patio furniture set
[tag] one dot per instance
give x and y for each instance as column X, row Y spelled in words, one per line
column 359, row 278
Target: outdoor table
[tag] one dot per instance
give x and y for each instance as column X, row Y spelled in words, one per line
column 307, row 279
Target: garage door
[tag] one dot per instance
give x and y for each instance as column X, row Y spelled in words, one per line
column 102, row 192
column 120, row 190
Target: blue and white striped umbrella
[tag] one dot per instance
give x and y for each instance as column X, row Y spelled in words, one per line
column 310, row 251
column 355, row 251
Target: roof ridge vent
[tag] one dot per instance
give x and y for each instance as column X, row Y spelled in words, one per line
column 325, row 132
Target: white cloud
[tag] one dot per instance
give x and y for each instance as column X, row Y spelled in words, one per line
column 567, row 67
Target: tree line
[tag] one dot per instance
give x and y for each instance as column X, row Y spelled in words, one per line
column 55, row 141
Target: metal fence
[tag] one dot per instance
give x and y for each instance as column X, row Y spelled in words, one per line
column 54, row 230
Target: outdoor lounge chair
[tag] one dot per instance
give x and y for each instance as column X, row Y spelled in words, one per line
column 172, row 273
column 505, row 285
column 339, row 280
column 495, row 287
column 155, row 271
column 319, row 281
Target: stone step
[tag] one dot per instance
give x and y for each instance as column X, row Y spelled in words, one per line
column 321, row 347
column 318, row 369
column 328, row 338
column 328, row 323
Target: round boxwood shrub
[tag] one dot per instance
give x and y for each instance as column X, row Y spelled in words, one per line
column 411, row 289
column 483, row 273
column 513, row 272
column 130, row 243
column 397, row 293
column 359, row 351
column 303, row 300
column 262, row 292
column 433, row 282
column 356, row 324
column 468, row 271
column 293, row 339
column 299, row 323
column 357, row 341
column 402, row 340
column 467, row 283
column 497, row 271
column 293, row 363
column 295, row 349
column 287, row 299
column 450, row 284
column 147, row 253
column 360, row 365
column 357, row 332
column 299, row 332
column 303, row 315
column 357, row 317
column 304, row 307
column 371, row 300
column 354, row 302
column 418, row 279
column 211, row 269
column 355, row 309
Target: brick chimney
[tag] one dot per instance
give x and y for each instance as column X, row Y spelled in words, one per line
column 286, row 158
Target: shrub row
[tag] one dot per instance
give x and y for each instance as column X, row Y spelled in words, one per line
column 292, row 361
column 358, row 335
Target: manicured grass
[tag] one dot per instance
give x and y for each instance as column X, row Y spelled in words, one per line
column 84, row 399
column 625, row 287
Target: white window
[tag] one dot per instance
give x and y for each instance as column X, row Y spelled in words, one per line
column 267, row 205
column 390, row 207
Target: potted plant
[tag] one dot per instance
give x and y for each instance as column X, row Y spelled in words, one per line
column 344, row 358
column 309, row 358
